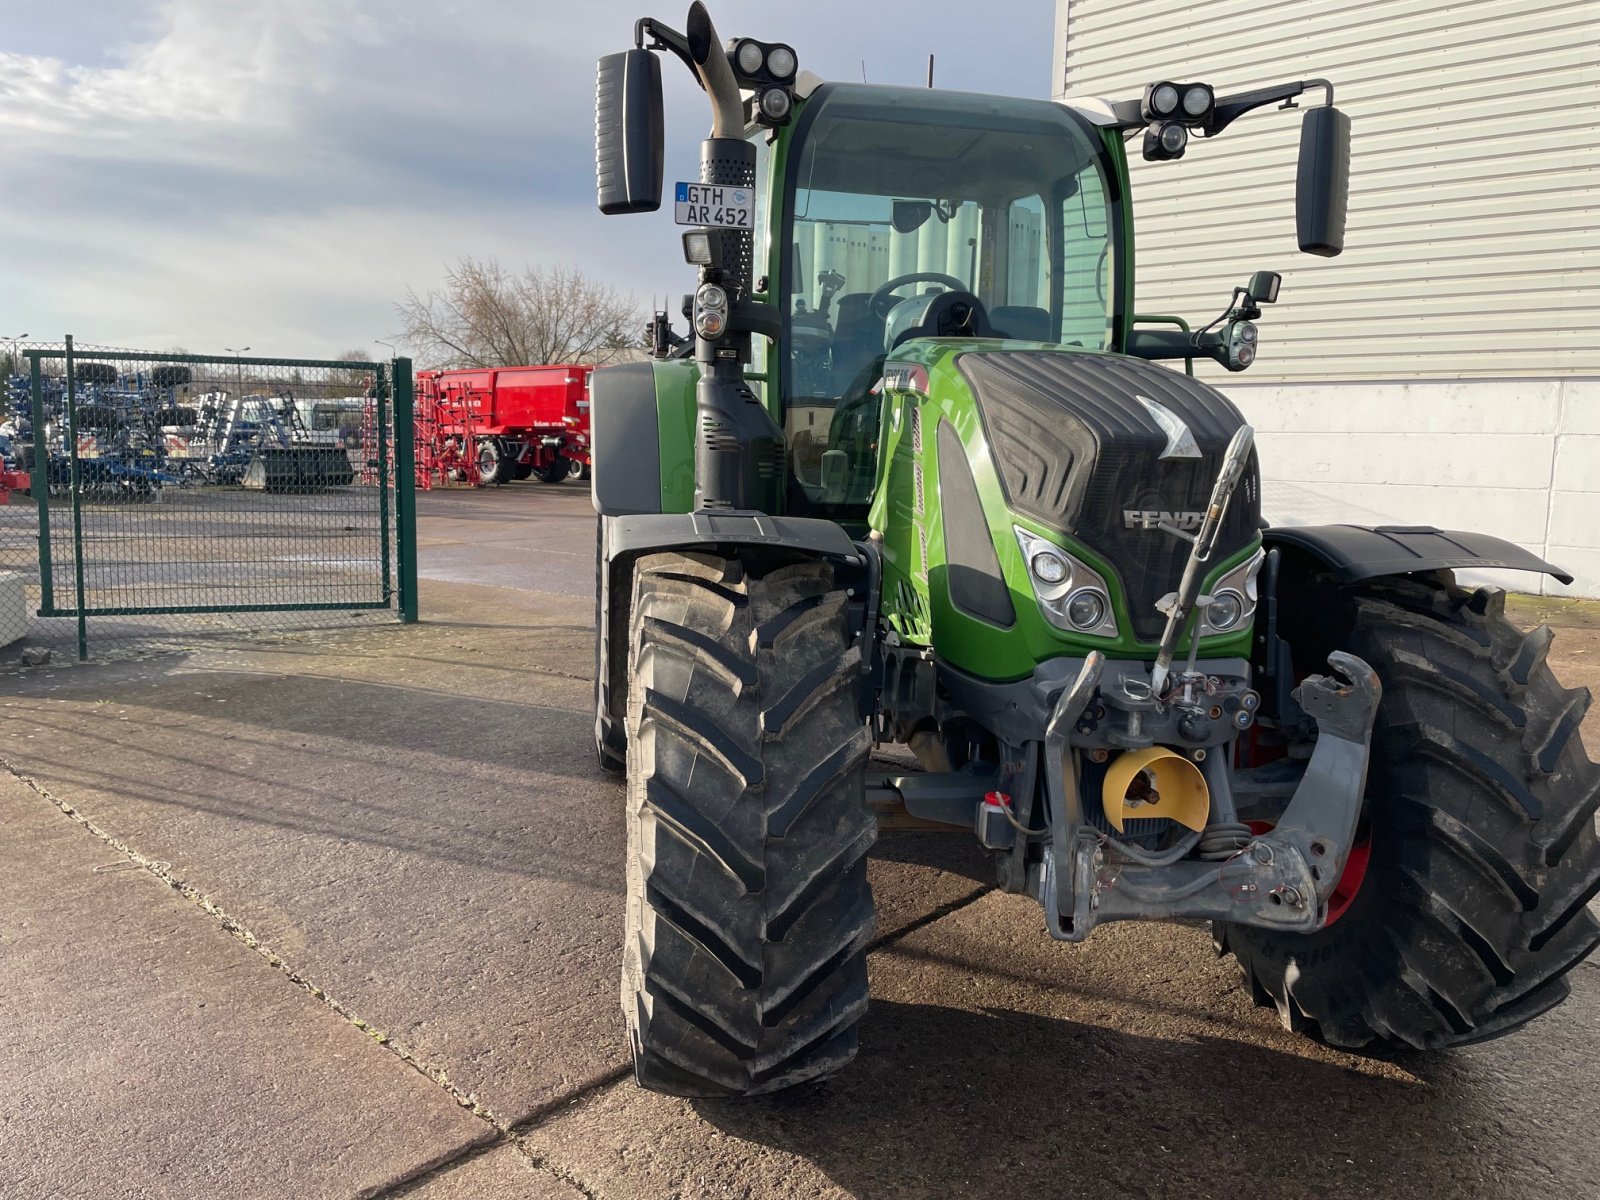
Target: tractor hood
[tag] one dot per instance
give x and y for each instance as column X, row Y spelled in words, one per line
column 1106, row 450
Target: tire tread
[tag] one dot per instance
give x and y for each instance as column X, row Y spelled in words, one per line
column 1485, row 854
column 749, row 910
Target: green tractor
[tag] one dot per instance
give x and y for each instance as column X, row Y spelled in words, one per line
column 918, row 478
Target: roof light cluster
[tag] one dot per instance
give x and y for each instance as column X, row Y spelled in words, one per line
column 768, row 69
column 1171, row 110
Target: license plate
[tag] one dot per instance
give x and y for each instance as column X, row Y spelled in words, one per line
column 715, row 207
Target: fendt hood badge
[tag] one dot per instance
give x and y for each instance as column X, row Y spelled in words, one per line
column 1180, row 442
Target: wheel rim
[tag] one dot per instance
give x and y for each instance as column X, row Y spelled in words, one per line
column 1355, row 870
column 574, row 469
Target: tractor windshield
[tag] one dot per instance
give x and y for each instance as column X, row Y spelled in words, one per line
column 893, row 193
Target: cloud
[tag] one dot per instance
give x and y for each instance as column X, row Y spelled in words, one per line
column 209, row 171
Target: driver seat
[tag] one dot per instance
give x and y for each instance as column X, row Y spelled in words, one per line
column 857, row 337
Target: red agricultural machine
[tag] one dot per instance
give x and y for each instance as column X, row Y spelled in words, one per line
column 11, row 481
column 492, row 425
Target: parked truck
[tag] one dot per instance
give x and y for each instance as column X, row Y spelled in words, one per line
column 496, row 424
column 1014, row 541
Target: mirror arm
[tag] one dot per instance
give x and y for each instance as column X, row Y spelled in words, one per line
column 752, row 316
column 1128, row 115
column 664, row 38
column 1230, row 108
column 1158, row 344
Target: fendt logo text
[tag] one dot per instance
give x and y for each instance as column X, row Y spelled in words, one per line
column 1151, row 518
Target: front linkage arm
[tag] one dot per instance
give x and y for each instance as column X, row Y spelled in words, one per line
column 1280, row 879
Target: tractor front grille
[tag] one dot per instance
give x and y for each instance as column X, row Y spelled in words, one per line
column 1077, row 451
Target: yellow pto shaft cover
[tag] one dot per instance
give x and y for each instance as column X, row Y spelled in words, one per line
column 1155, row 782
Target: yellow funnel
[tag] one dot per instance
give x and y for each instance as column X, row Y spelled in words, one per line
column 1164, row 784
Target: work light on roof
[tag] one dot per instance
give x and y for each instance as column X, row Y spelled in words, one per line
column 756, row 63
column 776, row 104
column 1161, row 100
column 1191, row 103
column 781, row 62
column 748, row 57
column 1165, row 141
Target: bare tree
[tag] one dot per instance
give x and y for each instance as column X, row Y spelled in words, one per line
column 354, row 380
column 487, row 316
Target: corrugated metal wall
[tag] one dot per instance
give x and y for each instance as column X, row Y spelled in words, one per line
column 1473, row 246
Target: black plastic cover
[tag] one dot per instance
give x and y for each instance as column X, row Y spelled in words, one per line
column 625, row 440
column 1078, row 452
column 1357, row 552
column 629, row 135
column 732, row 163
column 944, row 314
column 659, row 531
column 1322, row 185
column 972, row 568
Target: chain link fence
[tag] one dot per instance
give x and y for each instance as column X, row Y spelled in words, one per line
column 155, row 499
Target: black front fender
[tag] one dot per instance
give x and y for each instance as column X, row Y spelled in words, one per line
column 636, row 534
column 624, row 539
column 1357, row 552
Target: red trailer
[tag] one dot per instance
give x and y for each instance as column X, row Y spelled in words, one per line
column 495, row 424
column 12, row 481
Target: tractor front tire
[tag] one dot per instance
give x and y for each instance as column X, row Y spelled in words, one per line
column 522, row 471
column 748, row 910
column 1483, row 855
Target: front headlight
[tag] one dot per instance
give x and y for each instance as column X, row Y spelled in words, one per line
column 1233, row 598
column 1049, row 568
column 1226, row 610
column 1072, row 595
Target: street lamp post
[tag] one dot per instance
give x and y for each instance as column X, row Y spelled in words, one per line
column 15, row 341
column 239, row 366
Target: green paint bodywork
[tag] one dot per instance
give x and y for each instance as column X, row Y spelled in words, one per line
column 675, row 380
column 916, row 602
column 916, row 596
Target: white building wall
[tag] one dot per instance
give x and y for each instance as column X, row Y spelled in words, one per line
column 1446, row 368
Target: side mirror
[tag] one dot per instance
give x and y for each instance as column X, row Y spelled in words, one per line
column 629, row 133
column 1263, row 287
column 1322, row 186
column 910, row 215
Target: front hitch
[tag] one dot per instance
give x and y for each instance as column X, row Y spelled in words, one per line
column 1281, row 879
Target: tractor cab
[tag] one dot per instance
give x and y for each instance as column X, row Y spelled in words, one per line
column 908, row 214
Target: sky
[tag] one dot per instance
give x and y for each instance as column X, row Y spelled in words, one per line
column 276, row 173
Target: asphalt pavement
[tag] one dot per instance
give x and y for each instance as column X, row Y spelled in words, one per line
column 338, row 913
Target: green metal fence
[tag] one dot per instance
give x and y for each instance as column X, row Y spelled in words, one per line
column 172, row 496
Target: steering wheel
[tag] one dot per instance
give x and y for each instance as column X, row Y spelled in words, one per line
column 878, row 305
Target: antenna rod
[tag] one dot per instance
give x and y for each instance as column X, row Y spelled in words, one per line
column 930, row 70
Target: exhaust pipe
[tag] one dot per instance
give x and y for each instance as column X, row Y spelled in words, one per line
column 716, row 76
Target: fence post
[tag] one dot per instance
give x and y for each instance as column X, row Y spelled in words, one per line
column 40, row 486
column 77, row 502
column 380, row 426
column 405, row 487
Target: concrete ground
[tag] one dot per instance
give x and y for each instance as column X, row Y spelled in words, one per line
column 338, row 914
